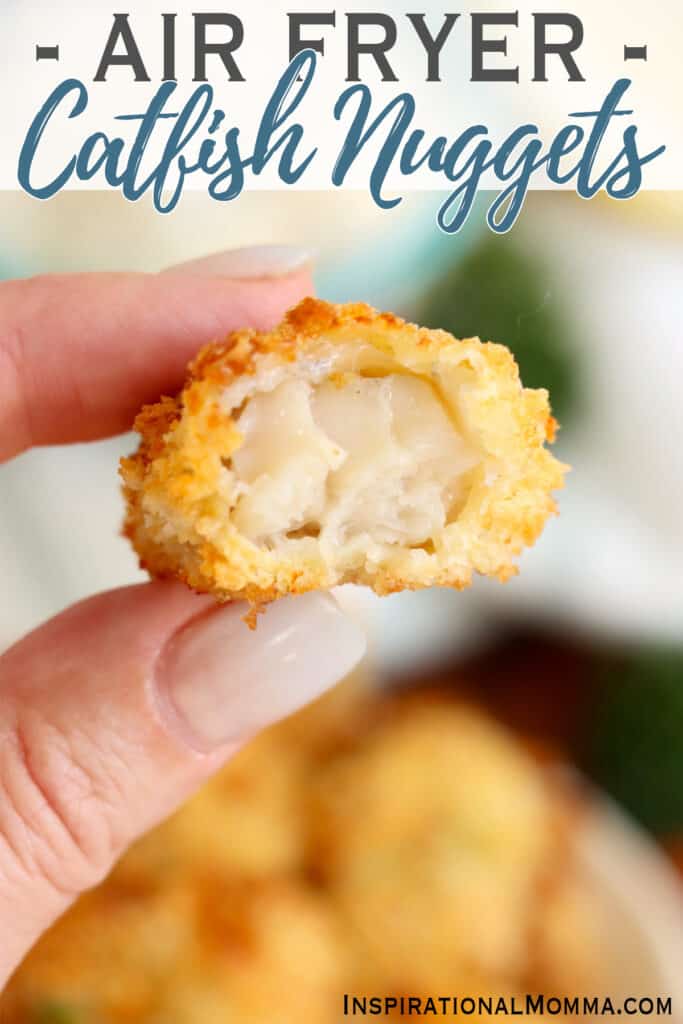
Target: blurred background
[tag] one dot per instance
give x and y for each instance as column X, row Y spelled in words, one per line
column 580, row 658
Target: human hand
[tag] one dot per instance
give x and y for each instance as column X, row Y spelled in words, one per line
column 118, row 709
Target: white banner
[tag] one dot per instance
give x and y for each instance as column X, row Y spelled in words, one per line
column 170, row 97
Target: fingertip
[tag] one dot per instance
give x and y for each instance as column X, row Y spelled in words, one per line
column 254, row 263
column 96, row 347
column 224, row 682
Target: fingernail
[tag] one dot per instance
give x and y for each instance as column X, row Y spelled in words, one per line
column 264, row 261
column 223, row 682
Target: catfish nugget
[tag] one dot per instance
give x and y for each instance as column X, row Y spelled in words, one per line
column 346, row 446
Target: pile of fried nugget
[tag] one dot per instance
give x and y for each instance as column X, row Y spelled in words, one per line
column 372, row 845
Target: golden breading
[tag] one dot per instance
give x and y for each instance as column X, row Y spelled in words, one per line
column 435, row 836
column 199, row 949
column 247, row 823
column 416, row 849
column 347, row 446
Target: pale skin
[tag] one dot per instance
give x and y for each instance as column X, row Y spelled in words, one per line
column 93, row 750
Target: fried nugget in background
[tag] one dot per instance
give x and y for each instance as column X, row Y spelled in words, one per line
column 387, row 846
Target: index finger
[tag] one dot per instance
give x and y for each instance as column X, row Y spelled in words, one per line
column 79, row 354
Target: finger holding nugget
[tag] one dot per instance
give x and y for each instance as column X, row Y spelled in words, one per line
column 117, row 710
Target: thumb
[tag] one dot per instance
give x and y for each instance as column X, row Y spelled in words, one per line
column 114, row 712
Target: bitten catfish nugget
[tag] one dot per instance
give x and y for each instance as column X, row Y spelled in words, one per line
column 346, row 446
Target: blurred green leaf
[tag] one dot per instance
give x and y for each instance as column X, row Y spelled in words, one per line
column 500, row 292
column 635, row 749
column 50, row 1012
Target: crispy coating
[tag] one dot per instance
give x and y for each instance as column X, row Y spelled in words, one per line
column 407, row 847
column 181, row 488
column 200, row 948
column 416, row 829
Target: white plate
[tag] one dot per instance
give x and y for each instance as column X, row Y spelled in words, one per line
column 638, row 896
